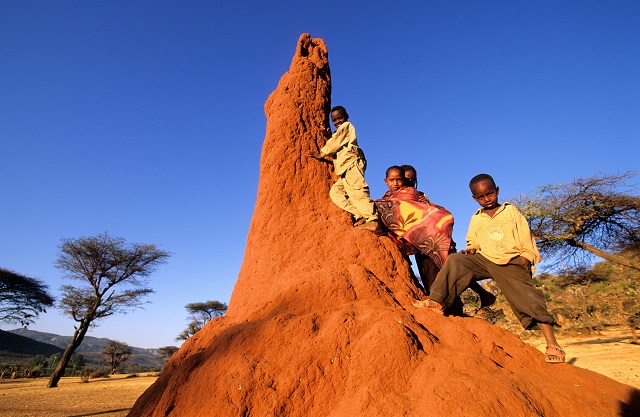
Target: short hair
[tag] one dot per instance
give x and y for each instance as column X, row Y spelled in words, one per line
column 482, row 177
column 410, row 168
column 394, row 168
column 342, row 110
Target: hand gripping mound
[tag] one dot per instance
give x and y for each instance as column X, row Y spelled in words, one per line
column 321, row 321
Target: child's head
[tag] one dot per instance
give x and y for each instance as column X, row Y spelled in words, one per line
column 410, row 176
column 339, row 115
column 394, row 178
column 485, row 191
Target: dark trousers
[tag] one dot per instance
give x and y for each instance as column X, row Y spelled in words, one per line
column 428, row 271
column 513, row 279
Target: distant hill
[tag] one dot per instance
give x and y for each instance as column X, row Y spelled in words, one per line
column 91, row 347
column 15, row 348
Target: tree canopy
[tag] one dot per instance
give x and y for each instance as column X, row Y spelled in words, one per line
column 112, row 277
column 117, row 354
column 168, row 351
column 22, row 298
column 200, row 313
column 205, row 311
column 599, row 215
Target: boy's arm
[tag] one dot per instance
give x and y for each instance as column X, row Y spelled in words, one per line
column 472, row 238
column 317, row 155
column 422, row 197
column 528, row 247
column 337, row 141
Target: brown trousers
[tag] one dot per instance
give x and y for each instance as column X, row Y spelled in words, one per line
column 513, row 279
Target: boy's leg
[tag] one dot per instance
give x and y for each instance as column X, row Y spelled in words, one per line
column 339, row 197
column 456, row 275
column 486, row 297
column 549, row 336
column 357, row 191
column 428, row 270
column 414, row 279
column 526, row 301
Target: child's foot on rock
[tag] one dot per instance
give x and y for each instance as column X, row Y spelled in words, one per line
column 430, row 304
column 370, row 226
column 359, row 222
column 554, row 354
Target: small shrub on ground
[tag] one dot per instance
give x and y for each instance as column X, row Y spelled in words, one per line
column 85, row 376
column 100, row 373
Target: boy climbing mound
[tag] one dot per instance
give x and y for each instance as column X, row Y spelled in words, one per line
column 351, row 191
column 500, row 246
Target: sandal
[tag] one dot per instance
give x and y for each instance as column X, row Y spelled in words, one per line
column 360, row 221
column 554, row 354
column 484, row 312
column 430, row 304
column 370, row 226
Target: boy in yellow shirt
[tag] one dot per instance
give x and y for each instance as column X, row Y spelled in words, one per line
column 499, row 245
column 351, row 191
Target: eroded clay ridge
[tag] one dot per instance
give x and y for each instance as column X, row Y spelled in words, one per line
column 320, row 322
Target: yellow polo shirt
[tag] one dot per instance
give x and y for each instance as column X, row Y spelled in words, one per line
column 502, row 237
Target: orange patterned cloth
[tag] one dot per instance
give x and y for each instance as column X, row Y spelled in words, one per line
column 422, row 227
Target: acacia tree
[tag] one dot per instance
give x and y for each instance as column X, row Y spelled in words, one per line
column 166, row 352
column 113, row 279
column 22, row 298
column 117, row 354
column 599, row 214
column 200, row 314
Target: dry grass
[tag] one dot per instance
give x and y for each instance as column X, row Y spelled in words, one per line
column 103, row 397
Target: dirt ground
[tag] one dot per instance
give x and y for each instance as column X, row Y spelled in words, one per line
column 104, row 397
column 609, row 352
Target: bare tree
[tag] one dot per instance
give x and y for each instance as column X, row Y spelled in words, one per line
column 200, row 314
column 113, row 279
column 600, row 215
column 117, row 354
column 22, row 298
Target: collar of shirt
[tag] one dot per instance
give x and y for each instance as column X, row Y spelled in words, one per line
column 503, row 206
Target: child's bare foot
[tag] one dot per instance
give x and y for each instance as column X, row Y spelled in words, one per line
column 430, row 304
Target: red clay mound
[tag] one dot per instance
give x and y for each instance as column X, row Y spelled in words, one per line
column 320, row 322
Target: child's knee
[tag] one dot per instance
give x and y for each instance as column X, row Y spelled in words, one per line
column 455, row 258
column 336, row 190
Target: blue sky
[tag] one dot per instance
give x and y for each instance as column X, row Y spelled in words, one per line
column 144, row 118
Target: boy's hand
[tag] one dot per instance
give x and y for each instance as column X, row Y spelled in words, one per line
column 423, row 199
column 469, row 251
column 315, row 154
column 526, row 263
